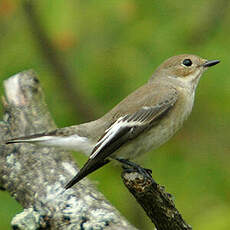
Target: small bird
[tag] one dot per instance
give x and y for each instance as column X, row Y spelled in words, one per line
column 141, row 122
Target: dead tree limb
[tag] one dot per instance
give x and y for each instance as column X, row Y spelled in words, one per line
column 157, row 203
column 35, row 176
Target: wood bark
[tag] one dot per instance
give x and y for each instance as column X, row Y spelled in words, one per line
column 156, row 202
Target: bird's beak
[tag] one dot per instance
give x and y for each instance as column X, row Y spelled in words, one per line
column 210, row 63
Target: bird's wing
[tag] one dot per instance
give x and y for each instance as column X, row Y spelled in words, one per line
column 125, row 128
column 129, row 127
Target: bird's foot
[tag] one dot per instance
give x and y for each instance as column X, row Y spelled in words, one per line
column 129, row 166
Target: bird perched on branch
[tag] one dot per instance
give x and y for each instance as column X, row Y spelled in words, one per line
column 143, row 121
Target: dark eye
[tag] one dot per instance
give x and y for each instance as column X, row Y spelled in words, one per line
column 187, row 62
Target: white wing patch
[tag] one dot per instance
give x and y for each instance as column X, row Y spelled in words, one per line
column 114, row 129
column 109, row 134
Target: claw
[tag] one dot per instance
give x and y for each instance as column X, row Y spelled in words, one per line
column 129, row 167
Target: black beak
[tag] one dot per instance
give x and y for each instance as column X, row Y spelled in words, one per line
column 210, row 63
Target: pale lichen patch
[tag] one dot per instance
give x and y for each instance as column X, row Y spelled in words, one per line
column 13, row 91
column 11, row 160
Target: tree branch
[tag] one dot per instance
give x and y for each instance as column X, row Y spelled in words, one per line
column 35, row 176
column 157, row 204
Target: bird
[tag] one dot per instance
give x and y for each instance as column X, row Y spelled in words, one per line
column 143, row 121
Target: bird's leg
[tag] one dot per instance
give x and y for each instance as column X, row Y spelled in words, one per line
column 130, row 166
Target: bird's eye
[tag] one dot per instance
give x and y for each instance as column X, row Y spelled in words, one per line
column 187, row 62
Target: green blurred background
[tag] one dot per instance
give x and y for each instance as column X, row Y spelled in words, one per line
column 89, row 54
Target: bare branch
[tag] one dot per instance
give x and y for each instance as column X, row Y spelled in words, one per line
column 157, row 204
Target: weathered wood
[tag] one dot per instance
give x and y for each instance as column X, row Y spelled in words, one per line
column 157, row 203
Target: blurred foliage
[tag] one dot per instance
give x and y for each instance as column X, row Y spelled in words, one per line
column 108, row 49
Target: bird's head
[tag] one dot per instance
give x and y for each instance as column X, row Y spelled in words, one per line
column 186, row 68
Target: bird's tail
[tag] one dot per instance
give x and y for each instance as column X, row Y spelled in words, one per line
column 77, row 137
column 30, row 139
column 89, row 167
column 52, row 139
